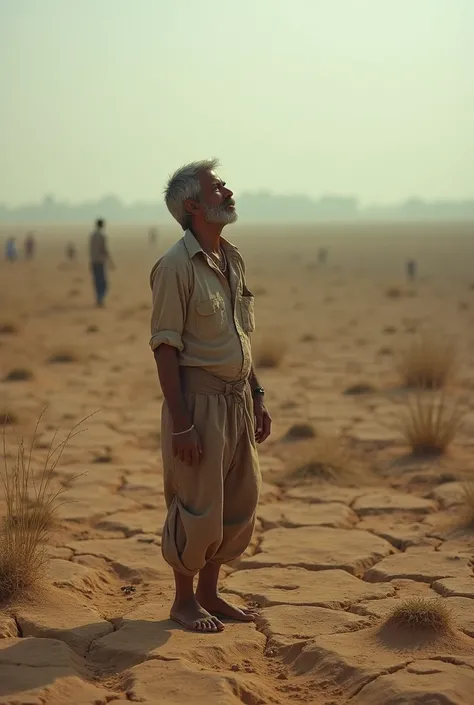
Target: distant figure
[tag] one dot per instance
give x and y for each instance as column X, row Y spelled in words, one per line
column 411, row 269
column 10, row 250
column 322, row 255
column 71, row 251
column 30, row 245
column 99, row 259
column 152, row 236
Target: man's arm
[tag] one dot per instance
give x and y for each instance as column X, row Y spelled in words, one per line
column 170, row 299
column 263, row 420
column 107, row 253
column 166, row 358
column 253, row 381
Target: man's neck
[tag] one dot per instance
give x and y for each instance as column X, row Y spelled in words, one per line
column 209, row 237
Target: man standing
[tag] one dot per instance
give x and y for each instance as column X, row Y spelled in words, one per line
column 213, row 411
column 99, row 259
column 30, row 245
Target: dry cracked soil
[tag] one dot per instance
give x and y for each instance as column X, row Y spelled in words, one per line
column 333, row 553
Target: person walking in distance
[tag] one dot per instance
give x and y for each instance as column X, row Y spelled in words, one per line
column 213, row 412
column 100, row 258
column 30, row 245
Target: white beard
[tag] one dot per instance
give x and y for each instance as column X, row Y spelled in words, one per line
column 219, row 214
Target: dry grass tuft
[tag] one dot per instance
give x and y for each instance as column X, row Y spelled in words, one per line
column 393, row 293
column 299, row 431
column 428, row 363
column 429, row 424
column 31, row 500
column 18, row 374
column 8, row 329
column 7, row 417
column 422, row 613
column 270, row 353
column 62, row 357
column 325, row 458
column 467, row 511
column 361, row 388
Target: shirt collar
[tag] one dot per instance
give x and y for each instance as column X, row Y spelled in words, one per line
column 193, row 246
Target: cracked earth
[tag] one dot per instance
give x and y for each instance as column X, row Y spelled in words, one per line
column 330, row 558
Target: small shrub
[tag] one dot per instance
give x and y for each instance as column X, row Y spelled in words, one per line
column 357, row 389
column 428, row 363
column 7, row 417
column 429, row 424
column 299, row 431
column 393, row 293
column 30, row 504
column 7, row 329
column 62, row 357
column 324, row 459
column 422, row 613
column 467, row 518
column 18, row 374
column 92, row 329
column 270, row 353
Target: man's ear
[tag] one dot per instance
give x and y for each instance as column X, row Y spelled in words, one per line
column 191, row 206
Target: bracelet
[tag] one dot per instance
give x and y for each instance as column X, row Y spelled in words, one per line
column 181, row 433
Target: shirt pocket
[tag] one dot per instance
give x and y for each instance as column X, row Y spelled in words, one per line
column 247, row 312
column 210, row 318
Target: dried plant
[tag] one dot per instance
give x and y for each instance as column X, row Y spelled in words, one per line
column 31, row 500
column 18, row 374
column 325, row 458
column 428, row 363
column 7, row 417
column 429, row 423
column 62, row 357
column 467, row 512
column 422, row 613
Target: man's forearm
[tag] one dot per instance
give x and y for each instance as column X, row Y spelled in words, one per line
column 166, row 358
column 253, row 381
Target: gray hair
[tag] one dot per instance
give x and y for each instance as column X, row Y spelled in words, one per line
column 184, row 184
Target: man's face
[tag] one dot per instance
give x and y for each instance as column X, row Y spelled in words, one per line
column 216, row 199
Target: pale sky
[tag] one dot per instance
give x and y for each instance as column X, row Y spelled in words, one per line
column 373, row 98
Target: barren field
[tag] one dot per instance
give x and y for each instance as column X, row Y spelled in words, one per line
column 361, row 564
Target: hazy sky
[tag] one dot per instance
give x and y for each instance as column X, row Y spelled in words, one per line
column 366, row 97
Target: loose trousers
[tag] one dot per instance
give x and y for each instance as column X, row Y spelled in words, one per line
column 211, row 507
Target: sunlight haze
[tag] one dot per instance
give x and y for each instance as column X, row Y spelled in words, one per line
column 372, row 98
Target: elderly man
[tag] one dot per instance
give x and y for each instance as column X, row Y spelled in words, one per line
column 213, row 412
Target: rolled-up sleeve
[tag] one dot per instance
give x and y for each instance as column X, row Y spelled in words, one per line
column 169, row 308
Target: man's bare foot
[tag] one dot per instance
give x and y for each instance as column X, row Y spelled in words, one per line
column 192, row 616
column 217, row 606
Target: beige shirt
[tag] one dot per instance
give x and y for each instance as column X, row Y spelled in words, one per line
column 97, row 247
column 196, row 310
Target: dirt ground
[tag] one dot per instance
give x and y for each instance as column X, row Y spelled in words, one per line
column 332, row 555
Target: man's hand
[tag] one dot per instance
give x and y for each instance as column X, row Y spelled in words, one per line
column 263, row 420
column 187, row 447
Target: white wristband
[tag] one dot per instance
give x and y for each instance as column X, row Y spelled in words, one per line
column 181, row 433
